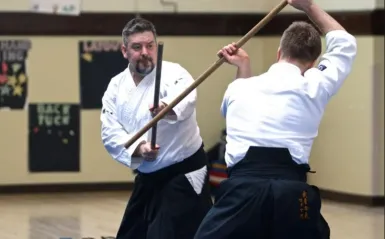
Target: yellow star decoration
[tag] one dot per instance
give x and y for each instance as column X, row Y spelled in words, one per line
column 22, row 79
column 12, row 81
column 16, row 67
column 87, row 57
column 17, row 90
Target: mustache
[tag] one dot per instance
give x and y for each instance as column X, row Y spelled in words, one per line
column 145, row 58
column 144, row 65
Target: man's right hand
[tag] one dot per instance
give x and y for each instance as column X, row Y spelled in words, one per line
column 147, row 152
column 319, row 17
column 302, row 5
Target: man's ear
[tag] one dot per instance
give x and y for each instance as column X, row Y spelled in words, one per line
column 278, row 53
column 124, row 51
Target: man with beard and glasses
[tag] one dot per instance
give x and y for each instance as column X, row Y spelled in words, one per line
column 171, row 194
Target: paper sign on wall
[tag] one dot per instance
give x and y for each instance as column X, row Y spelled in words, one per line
column 99, row 62
column 54, row 141
column 13, row 73
column 60, row 7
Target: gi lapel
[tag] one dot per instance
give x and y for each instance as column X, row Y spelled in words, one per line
column 135, row 110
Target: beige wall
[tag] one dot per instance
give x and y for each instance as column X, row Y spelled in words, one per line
column 380, row 4
column 348, row 154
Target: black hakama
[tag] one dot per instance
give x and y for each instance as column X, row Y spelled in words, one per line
column 266, row 196
column 164, row 205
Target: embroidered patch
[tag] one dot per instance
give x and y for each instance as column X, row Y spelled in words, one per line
column 321, row 67
column 176, row 82
column 106, row 111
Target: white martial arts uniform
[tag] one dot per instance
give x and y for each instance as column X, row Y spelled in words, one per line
column 126, row 110
column 171, row 194
column 271, row 120
column 282, row 108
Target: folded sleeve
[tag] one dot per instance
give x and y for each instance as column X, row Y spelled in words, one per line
column 336, row 64
column 185, row 108
column 113, row 134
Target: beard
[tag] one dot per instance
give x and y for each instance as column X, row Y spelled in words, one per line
column 144, row 66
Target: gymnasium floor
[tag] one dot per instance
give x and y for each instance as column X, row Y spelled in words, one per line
column 93, row 215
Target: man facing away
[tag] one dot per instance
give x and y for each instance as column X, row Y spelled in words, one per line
column 271, row 122
column 170, row 195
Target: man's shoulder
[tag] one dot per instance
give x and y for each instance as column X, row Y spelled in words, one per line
column 172, row 66
column 172, row 72
column 118, row 77
column 244, row 82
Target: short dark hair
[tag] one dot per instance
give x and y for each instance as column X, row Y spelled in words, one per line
column 137, row 25
column 302, row 42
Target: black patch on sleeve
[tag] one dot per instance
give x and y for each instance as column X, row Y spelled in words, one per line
column 104, row 111
column 322, row 67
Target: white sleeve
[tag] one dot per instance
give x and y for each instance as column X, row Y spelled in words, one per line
column 336, row 64
column 185, row 108
column 112, row 132
column 226, row 97
column 224, row 103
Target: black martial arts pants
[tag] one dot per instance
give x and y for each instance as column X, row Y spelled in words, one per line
column 266, row 197
column 164, row 205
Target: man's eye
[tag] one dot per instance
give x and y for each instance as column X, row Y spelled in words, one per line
column 136, row 47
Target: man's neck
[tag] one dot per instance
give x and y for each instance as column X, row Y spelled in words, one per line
column 296, row 63
column 136, row 77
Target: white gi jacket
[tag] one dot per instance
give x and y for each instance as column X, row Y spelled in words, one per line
column 282, row 108
column 126, row 110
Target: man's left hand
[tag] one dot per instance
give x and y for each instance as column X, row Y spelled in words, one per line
column 235, row 56
column 161, row 106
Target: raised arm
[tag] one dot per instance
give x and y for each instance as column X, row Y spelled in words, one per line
column 113, row 134
column 341, row 49
column 239, row 58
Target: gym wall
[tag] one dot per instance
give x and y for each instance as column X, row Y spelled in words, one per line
column 347, row 155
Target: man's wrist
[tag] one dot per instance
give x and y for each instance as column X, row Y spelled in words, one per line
column 137, row 152
column 243, row 63
column 171, row 112
column 309, row 9
column 244, row 69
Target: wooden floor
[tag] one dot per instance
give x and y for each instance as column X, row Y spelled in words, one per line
column 93, row 215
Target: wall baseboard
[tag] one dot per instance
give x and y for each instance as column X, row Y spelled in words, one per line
column 66, row 187
column 372, row 201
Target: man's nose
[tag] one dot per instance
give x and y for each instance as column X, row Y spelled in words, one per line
column 144, row 51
